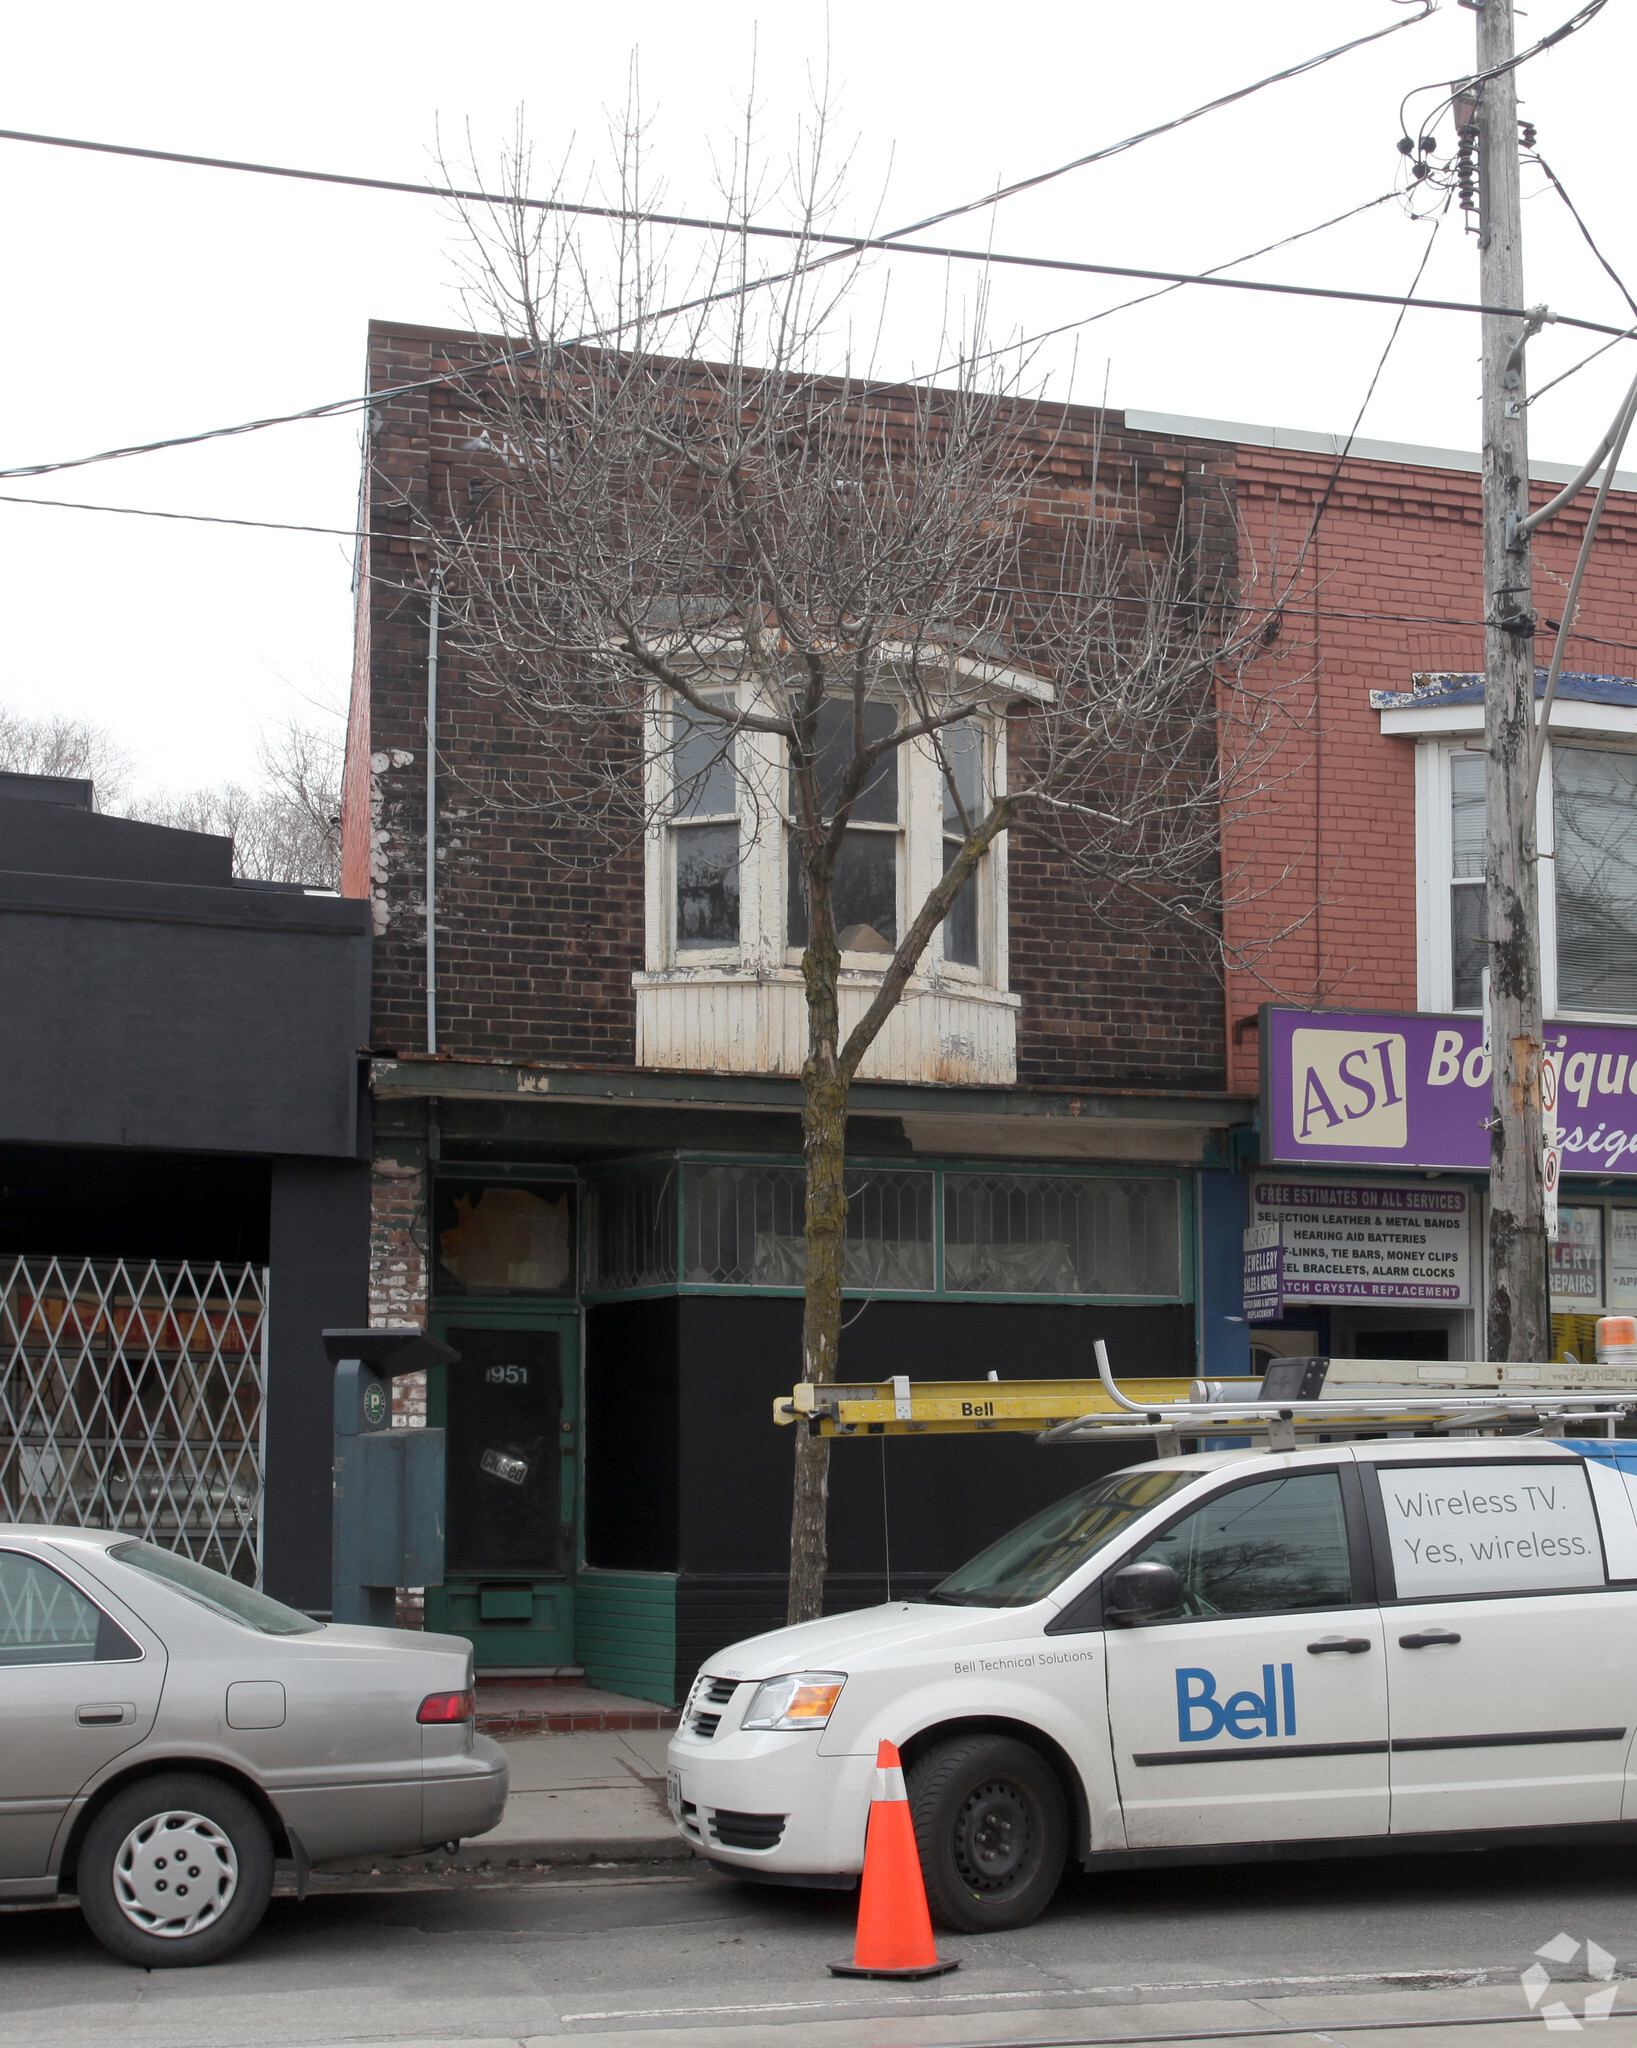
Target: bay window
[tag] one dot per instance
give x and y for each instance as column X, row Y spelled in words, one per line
column 704, row 832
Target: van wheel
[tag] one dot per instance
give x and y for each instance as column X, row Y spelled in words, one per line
column 175, row 1870
column 992, row 1831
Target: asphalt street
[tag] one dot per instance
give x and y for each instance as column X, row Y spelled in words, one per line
column 644, row 1954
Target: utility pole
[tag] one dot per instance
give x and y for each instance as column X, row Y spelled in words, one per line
column 1518, row 1318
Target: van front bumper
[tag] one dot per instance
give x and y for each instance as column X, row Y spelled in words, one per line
column 772, row 1805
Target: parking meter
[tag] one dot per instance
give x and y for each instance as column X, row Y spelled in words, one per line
column 387, row 1528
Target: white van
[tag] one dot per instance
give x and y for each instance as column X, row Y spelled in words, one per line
column 1355, row 1647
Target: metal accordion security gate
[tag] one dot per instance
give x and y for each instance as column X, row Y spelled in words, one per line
column 133, row 1397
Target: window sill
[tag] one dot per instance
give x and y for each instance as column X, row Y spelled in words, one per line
column 749, row 1020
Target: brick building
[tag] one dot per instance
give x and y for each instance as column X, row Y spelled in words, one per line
column 1362, row 878
column 591, row 1182
column 592, row 1186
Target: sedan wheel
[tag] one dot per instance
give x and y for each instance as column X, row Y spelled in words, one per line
column 175, row 1870
column 992, row 1831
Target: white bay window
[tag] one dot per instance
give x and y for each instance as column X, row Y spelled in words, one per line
column 727, row 915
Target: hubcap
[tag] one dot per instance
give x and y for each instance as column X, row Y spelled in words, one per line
column 994, row 1834
column 175, row 1874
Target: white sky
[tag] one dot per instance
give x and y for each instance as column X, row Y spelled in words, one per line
column 149, row 300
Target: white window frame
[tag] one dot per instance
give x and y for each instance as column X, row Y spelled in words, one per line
column 1434, row 851
column 763, row 819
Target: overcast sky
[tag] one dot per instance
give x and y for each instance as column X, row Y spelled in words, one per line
column 149, row 300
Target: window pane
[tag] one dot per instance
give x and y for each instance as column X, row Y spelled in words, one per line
column 1468, row 949
column 1466, row 822
column 864, row 893
column 1576, row 1260
column 745, row 1226
column 504, row 1238
column 1596, row 867
column 701, row 766
column 43, row 1619
column 632, row 1230
column 877, row 801
column 707, row 885
column 1029, row 1562
column 963, row 756
column 1011, row 1234
column 1264, row 1549
column 961, row 925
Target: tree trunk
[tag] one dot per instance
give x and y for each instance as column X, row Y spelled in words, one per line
column 824, row 1148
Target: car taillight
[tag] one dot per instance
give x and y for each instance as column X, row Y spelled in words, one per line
column 446, row 1706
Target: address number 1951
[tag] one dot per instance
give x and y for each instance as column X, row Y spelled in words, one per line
column 507, row 1375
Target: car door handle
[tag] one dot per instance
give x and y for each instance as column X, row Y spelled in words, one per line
column 1427, row 1639
column 106, row 1714
column 1338, row 1646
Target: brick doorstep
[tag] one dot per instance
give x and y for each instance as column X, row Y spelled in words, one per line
column 519, row 1708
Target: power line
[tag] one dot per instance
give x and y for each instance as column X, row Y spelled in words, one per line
column 338, row 406
column 679, row 220
column 1559, row 188
column 1119, row 597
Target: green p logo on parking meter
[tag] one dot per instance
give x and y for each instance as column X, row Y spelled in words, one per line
column 375, row 1404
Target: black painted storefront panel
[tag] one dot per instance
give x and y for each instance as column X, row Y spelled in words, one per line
column 687, row 1472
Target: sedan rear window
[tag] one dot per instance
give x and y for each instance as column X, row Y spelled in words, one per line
column 215, row 1590
column 1037, row 1557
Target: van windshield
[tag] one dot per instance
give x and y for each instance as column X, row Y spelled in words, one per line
column 1038, row 1556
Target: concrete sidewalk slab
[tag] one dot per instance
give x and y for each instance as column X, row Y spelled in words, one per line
column 590, row 1796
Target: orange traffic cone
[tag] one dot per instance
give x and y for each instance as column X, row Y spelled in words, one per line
column 894, row 1928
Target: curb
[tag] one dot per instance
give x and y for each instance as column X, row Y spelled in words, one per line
column 525, row 1854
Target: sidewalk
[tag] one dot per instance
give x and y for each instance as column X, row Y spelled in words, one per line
column 592, row 1795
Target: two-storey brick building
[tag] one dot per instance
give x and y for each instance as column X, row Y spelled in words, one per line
column 588, row 1158
column 587, row 1153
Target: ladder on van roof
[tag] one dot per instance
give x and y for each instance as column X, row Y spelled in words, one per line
column 1297, row 1399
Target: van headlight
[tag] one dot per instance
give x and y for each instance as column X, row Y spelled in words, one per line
column 802, row 1699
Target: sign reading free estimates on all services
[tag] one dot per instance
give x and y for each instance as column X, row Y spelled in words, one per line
column 1381, row 1088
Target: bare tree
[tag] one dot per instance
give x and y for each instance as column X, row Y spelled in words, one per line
column 709, row 575
column 288, row 829
column 55, row 745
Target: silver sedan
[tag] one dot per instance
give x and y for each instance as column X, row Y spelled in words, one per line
column 166, row 1734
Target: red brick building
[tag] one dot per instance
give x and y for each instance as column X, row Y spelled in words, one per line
column 1362, row 876
column 588, row 1184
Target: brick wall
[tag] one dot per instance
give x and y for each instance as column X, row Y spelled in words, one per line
column 536, row 952
column 1391, row 585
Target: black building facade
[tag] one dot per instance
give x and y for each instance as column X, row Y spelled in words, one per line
column 183, row 1186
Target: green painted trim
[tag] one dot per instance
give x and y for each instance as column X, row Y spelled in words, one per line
column 625, row 1633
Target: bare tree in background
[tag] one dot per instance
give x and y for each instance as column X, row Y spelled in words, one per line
column 54, row 745
column 286, row 830
column 711, row 576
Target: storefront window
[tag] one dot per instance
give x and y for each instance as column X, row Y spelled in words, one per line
column 504, row 1239
column 1011, row 1234
column 1577, row 1260
column 631, row 1229
column 745, row 1226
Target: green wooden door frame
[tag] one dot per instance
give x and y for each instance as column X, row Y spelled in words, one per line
column 515, row 1620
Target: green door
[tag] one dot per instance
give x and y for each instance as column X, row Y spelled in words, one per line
column 511, row 1410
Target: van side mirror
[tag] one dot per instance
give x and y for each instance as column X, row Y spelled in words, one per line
column 1140, row 1590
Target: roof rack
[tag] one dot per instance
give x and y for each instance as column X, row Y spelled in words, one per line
column 1298, row 1398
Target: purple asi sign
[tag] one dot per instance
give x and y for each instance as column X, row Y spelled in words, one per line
column 1381, row 1088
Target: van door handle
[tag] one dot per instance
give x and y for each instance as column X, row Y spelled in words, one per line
column 1427, row 1638
column 108, row 1714
column 1338, row 1646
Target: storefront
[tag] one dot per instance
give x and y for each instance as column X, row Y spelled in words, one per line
column 627, row 1309
column 1346, row 1256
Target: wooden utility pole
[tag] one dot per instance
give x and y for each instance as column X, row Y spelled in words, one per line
column 1518, row 1320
